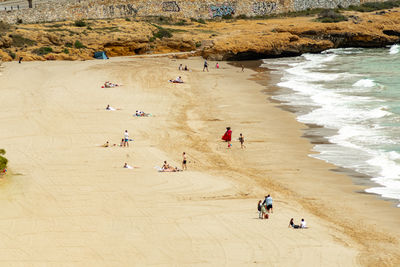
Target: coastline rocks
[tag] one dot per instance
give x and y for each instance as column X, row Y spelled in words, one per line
column 215, row 40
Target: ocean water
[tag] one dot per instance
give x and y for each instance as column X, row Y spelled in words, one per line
column 354, row 92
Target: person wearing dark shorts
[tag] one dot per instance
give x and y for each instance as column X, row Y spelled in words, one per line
column 184, row 161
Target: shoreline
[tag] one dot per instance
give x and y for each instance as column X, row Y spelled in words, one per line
column 314, row 138
column 205, row 215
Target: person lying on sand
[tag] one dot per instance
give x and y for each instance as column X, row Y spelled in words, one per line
column 141, row 114
column 126, row 166
column 110, row 85
column 177, row 80
column 110, row 108
column 107, row 144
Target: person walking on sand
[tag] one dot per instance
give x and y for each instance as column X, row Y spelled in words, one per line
column 205, row 65
column 227, row 137
column 268, row 203
column 126, row 139
column 241, row 140
column 184, row 161
column 242, row 68
column 217, row 65
column 180, row 67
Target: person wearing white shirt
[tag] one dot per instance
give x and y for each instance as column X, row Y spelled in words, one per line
column 126, row 138
column 303, row 224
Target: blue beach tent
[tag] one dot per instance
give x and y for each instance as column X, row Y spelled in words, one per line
column 100, row 55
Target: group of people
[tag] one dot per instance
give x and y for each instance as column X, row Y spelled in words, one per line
column 183, row 68
column 303, row 224
column 265, row 207
column 109, row 85
column 227, row 137
column 140, row 113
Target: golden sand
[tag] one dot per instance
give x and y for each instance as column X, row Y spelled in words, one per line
column 68, row 202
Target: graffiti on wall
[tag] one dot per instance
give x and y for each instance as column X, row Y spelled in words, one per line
column 264, row 8
column 170, row 6
column 122, row 10
column 222, row 10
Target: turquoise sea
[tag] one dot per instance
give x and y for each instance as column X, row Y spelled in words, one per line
column 355, row 93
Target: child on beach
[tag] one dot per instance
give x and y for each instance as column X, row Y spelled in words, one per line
column 217, row 65
column 241, row 140
column 259, row 209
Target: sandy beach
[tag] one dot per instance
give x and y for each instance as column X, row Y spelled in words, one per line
column 67, row 201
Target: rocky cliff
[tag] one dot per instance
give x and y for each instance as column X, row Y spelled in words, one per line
column 225, row 39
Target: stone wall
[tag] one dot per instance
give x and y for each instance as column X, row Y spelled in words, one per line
column 51, row 10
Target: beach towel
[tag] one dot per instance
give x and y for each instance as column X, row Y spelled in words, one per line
column 227, row 136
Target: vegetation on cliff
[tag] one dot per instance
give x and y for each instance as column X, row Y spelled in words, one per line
column 3, row 160
column 228, row 38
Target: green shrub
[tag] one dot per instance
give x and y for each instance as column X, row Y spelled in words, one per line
column 68, row 44
column 66, row 51
column 20, row 41
column 152, row 39
column 162, row 32
column 3, row 160
column 330, row 16
column 80, row 23
column 198, row 44
column 228, row 16
column 127, row 19
column 373, row 6
column 201, row 21
column 181, row 23
column 11, row 54
column 78, row 45
column 44, row 50
column 89, row 28
column 242, row 16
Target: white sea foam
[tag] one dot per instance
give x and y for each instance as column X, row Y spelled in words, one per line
column 353, row 111
column 365, row 83
column 394, row 49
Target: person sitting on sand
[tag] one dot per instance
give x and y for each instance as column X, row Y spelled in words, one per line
column 303, row 224
column 291, row 224
column 180, row 67
column 107, row 144
column 186, row 68
column 177, row 80
column 122, row 142
column 167, row 168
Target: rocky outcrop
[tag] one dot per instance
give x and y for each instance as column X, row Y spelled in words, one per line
column 223, row 40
